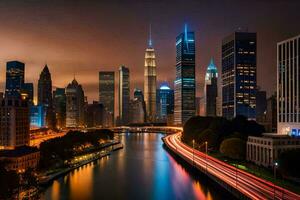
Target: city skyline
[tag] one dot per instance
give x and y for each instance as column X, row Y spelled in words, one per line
column 66, row 55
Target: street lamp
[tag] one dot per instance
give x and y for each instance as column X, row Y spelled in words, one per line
column 206, row 156
column 275, row 167
column 193, row 150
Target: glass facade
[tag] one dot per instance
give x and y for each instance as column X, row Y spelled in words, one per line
column 288, row 85
column 239, row 75
column 185, row 77
column 107, row 91
column 166, row 101
column 14, row 78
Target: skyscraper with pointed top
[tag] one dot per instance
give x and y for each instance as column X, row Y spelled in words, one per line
column 185, row 83
column 45, row 95
column 150, row 81
column 211, row 89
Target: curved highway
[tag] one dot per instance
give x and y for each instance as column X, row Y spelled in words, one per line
column 246, row 183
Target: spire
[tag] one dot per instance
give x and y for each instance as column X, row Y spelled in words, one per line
column 150, row 37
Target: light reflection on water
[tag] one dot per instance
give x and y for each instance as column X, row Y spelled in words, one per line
column 142, row 170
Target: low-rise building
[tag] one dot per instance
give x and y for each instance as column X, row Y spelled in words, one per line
column 21, row 158
column 266, row 149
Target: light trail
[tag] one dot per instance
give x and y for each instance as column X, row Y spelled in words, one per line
column 246, row 183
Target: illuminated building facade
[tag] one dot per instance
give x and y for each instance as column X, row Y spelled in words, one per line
column 14, row 78
column 239, row 75
column 166, row 101
column 14, row 124
column 107, row 92
column 288, row 86
column 37, row 116
column 74, row 105
column 124, row 95
column 185, row 84
column 211, row 89
column 150, row 82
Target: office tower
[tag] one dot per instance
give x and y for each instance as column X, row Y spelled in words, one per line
column 271, row 116
column 166, row 101
column 27, row 92
column 136, row 112
column 14, row 78
column 74, row 105
column 211, row 89
column 59, row 107
column 219, row 106
column 14, row 124
column 185, row 83
column 37, row 116
column 138, row 94
column 45, row 96
column 150, row 82
column 198, row 105
column 107, row 92
column 124, row 94
column 288, row 90
column 239, row 75
column 94, row 115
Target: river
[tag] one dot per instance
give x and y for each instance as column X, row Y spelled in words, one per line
column 143, row 169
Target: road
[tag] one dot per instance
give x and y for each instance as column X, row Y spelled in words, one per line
column 248, row 184
column 38, row 139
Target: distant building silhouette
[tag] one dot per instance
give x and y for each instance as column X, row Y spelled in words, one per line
column 211, row 89
column 59, row 106
column 45, row 96
column 107, row 92
column 124, row 95
column 74, row 105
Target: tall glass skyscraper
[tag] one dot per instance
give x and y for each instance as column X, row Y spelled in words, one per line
column 239, row 75
column 185, row 83
column 150, row 82
column 124, row 94
column 288, row 86
column 211, row 89
column 107, row 91
column 14, row 78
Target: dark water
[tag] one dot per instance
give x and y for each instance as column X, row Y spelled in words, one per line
column 142, row 170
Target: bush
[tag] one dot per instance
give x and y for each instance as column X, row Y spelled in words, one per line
column 234, row 148
column 289, row 163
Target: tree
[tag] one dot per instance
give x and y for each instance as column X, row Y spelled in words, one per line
column 234, row 148
column 289, row 163
column 9, row 181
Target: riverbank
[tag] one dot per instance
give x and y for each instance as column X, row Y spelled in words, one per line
column 46, row 179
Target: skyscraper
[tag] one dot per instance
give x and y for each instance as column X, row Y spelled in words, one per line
column 59, row 106
column 138, row 94
column 185, row 83
column 150, row 81
column 74, row 105
column 14, row 78
column 288, row 90
column 211, row 89
column 239, row 75
column 45, row 96
column 107, row 92
column 166, row 101
column 124, row 94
